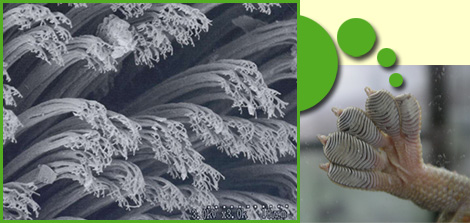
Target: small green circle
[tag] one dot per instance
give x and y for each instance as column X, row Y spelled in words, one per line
column 356, row 37
column 396, row 80
column 386, row 57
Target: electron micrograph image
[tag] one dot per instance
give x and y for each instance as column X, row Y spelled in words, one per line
column 149, row 111
column 376, row 153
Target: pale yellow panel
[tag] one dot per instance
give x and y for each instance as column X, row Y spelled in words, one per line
column 420, row 32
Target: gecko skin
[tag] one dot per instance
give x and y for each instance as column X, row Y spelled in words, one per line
column 380, row 150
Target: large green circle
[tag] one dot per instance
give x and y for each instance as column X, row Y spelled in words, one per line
column 356, row 37
column 317, row 63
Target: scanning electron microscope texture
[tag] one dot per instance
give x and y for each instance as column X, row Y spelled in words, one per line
column 149, row 111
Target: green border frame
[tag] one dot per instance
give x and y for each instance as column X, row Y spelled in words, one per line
column 172, row 1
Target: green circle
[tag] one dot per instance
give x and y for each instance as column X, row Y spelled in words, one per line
column 386, row 57
column 317, row 63
column 356, row 37
column 396, row 80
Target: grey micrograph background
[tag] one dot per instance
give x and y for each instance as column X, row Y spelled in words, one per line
column 445, row 102
column 150, row 111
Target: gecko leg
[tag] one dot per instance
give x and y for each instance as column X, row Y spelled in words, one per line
column 379, row 149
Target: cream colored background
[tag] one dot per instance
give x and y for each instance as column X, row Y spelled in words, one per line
column 420, row 32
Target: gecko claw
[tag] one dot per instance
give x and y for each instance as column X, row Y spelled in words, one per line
column 369, row 91
column 325, row 166
column 322, row 139
column 337, row 111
